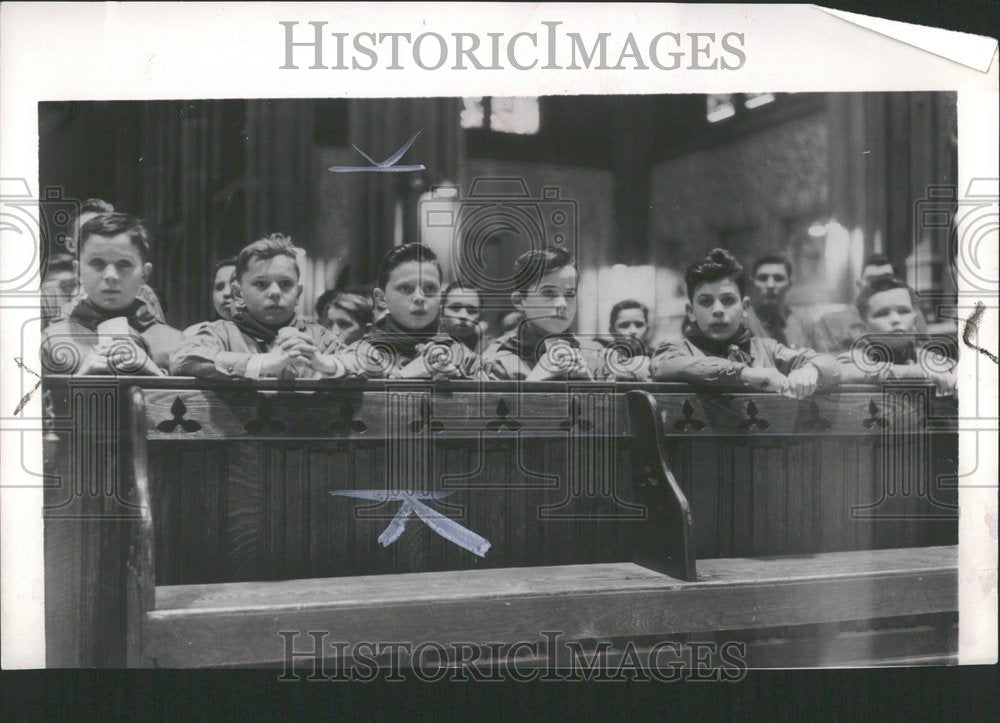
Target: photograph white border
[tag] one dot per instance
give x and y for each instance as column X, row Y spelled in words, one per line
column 109, row 51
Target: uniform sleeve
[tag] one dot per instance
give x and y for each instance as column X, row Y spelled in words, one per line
column 469, row 363
column 673, row 363
column 853, row 371
column 824, row 340
column 502, row 366
column 360, row 360
column 612, row 366
column 787, row 360
column 797, row 332
column 205, row 354
column 163, row 343
column 61, row 351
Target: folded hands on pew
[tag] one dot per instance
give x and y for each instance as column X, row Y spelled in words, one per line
column 799, row 384
column 112, row 357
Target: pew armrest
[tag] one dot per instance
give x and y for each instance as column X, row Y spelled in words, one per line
column 667, row 541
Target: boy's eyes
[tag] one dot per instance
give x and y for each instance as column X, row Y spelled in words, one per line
column 101, row 263
column 707, row 301
column 885, row 312
column 263, row 284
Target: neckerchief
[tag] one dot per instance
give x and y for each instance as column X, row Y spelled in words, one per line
column 402, row 340
column 735, row 348
column 527, row 343
column 88, row 314
column 262, row 334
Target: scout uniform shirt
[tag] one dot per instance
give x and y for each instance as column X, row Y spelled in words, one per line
column 869, row 362
column 69, row 338
column 388, row 347
column 222, row 349
column 699, row 359
column 516, row 353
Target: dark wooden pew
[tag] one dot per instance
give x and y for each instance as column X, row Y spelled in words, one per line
column 221, row 492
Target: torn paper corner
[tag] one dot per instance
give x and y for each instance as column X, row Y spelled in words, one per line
column 973, row 51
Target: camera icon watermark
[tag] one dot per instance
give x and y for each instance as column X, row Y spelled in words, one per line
column 970, row 223
column 32, row 228
column 499, row 220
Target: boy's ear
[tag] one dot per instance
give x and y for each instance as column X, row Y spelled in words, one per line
column 517, row 299
column 689, row 310
column 237, row 290
column 378, row 297
column 746, row 305
column 147, row 269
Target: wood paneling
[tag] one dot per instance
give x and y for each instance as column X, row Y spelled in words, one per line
column 240, row 624
column 256, row 506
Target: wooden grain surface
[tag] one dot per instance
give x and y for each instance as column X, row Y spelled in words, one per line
column 240, row 624
column 256, row 506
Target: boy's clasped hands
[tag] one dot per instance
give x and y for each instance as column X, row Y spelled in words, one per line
column 799, row 384
column 295, row 349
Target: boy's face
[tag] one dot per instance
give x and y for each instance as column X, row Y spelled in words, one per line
column 770, row 284
column 460, row 316
column 345, row 326
column 270, row 289
column 413, row 294
column 891, row 312
column 222, row 292
column 717, row 309
column 111, row 271
column 551, row 305
column 631, row 322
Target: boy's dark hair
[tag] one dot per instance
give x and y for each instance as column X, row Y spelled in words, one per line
column 268, row 247
column 114, row 224
column 531, row 266
column 624, row 305
column 772, row 259
column 357, row 306
column 231, row 261
column 93, row 205
column 885, row 282
column 878, row 260
column 718, row 265
column 459, row 285
column 399, row 255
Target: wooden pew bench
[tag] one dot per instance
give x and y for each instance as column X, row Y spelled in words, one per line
column 235, row 624
column 224, row 533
